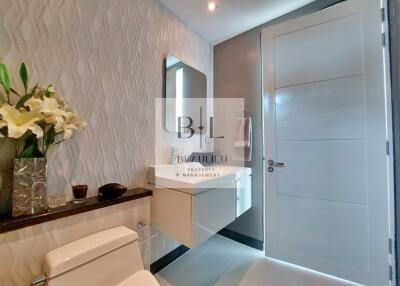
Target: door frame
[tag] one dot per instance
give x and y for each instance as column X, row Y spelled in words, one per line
column 391, row 124
column 391, row 54
column 393, row 16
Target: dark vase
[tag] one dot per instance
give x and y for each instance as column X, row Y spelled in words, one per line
column 7, row 155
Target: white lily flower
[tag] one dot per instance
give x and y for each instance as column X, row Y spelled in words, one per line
column 68, row 131
column 46, row 114
column 53, row 111
column 60, row 100
column 19, row 121
column 74, row 123
column 47, row 106
column 57, row 121
column 57, row 115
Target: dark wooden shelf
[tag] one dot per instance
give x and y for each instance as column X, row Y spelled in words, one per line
column 90, row 204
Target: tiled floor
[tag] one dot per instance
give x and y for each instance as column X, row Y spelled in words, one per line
column 223, row 262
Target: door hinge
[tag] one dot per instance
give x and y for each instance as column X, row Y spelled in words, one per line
column 390, row 246
column 383, row 15
column 388, row 148
column 390, row 272
column 383, row 39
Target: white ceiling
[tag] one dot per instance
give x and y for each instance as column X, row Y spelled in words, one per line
column 231, row 17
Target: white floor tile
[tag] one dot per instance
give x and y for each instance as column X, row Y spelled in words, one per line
column 203, row 265
column 269, row 272
column 235, row 272
column 223, row 262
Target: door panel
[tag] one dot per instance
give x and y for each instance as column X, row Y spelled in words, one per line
column 324, row 238
column 310, row 57
column 339, row 166
column 330, row 109
column 325, row 119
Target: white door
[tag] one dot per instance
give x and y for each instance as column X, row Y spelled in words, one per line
column 325, row 119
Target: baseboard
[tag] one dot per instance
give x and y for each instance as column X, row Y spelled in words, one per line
column 241, row 238
column 168, row 259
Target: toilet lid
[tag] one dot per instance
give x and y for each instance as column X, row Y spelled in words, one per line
column 140, row 278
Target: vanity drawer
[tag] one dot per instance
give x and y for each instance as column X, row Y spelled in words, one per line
column 212, row 211
column 192, row 219
column 171, row 213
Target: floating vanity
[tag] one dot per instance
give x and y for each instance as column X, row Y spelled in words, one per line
column 191, row 203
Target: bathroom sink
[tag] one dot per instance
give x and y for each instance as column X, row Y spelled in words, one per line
column 193, row 178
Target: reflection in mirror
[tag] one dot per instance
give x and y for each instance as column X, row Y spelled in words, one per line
column 183, row 83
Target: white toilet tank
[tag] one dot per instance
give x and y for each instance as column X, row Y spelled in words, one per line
column 103, row 259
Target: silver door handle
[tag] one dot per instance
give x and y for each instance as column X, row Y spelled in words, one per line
column 272, row 163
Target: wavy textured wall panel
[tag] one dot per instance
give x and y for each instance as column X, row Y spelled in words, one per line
column 106, row 57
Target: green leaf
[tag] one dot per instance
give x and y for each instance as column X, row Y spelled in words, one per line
column 50, row 137
column 5, row 78
column 24, row 74
column 31, row 148
column 22, row 100
column 28, row 152
column 25, row 98
column 20, row 144
column 49, row 91
column 15, row 92
column 34, row 89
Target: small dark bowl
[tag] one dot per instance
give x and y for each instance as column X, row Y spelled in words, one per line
column 114, row 190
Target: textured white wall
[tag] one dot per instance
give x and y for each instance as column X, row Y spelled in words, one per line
column 106, row 57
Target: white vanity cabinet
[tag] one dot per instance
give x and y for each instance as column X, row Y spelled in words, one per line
column 243, row 194
column 190, row 214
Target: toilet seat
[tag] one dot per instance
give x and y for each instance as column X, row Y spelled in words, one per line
column 142, row 278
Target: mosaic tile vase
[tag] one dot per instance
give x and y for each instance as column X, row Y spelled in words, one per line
column 7, row 155
column 29, row 186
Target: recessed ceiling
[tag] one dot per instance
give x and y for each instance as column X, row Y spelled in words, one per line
column 231, row 17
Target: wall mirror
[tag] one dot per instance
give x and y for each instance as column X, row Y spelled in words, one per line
column 185, row 94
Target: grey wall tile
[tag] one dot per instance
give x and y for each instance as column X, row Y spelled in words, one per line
column 237, row 74
column 238, row 59
column 248, row 89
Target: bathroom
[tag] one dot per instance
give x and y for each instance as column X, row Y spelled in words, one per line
column 170, row 131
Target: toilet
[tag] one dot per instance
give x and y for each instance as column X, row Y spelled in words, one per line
column 108, row 258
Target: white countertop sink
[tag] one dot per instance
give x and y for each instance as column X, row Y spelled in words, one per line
column 193, row 178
